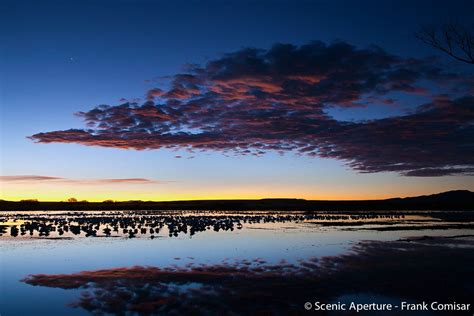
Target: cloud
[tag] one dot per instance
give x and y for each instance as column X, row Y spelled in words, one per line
column 28, row 178
column 252, row 101
column 435, row 141
column 127, row 180
column 254, row 287
column 35, row 178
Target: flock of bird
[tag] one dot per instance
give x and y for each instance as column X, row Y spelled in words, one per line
column 149, row 223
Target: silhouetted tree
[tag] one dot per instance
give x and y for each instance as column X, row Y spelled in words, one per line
column 453, row 39
column 72, row 200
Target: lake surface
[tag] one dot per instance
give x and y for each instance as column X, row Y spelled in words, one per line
column 43, row 253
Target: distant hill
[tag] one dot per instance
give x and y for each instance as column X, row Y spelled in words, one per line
column 451, row 200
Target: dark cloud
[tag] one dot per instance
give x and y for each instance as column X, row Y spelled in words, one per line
column 252, row 101
column 435, row 141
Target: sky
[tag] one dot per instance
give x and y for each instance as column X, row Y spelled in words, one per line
column 178, row 100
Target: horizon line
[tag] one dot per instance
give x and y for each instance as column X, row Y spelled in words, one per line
column 34, row 200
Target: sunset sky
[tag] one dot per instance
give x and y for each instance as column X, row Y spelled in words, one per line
column 176, row 100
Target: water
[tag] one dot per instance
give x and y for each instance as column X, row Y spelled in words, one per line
column 35, row 243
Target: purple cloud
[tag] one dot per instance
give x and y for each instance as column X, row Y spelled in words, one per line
column 36, row 178
column 253, row 101
column 28, row 178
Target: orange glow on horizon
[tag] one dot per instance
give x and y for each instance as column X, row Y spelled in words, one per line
column 222, row 190
column 146, row 196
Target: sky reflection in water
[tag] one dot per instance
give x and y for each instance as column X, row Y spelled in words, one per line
column 221, row 240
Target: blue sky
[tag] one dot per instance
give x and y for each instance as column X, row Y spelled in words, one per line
column 61, row 57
